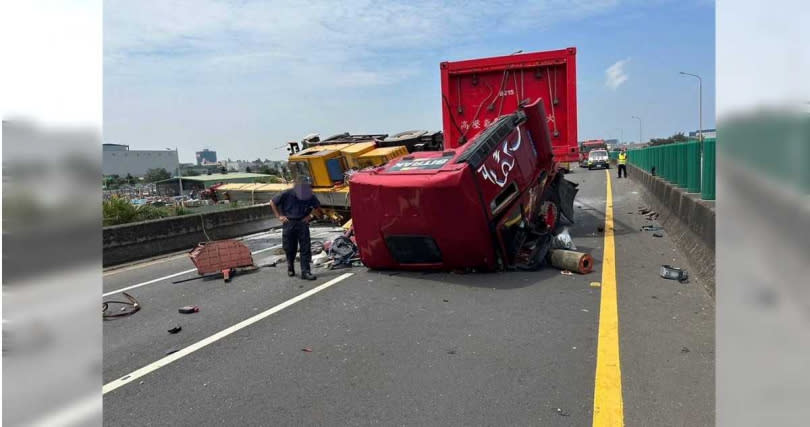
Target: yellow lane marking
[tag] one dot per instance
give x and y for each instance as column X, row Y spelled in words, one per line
column 608, row 406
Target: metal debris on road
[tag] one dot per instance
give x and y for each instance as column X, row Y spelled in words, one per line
column 221, row 256
column 175, row 329
column 674, row 273
column 189, row 309
column 565, row 260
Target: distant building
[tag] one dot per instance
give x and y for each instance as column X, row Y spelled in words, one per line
column 171, row 186
column 206, row 156
column 707, row 133
column 118, row 159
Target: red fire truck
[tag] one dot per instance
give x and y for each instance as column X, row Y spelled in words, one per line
column 476, row 92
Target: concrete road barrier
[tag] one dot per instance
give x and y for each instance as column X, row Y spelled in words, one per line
column 689, row 221
column 130, row 242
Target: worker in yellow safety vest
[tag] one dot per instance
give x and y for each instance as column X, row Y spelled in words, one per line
column 623, row 162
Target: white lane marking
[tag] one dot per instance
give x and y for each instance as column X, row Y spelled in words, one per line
column 173, row 275
column 148, row 282
column 112, row 385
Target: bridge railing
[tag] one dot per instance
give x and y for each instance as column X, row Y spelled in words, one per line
column 683, row 164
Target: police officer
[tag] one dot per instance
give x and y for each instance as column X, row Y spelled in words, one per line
column 622, row 161
column 295, row 208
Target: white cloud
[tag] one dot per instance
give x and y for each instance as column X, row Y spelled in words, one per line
column 203, row 72
column 289, row 37
column 615, row 75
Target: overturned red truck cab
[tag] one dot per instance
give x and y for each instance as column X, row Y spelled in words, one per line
column 489, row 204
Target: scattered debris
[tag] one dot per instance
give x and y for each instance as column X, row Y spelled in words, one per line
column 320, row 259
column 563, row 240
column 596, row 284
column 674, row 273
column 585, row 310
column 175, row 329
column 317, row 247
column 566, row 273
column 221, row 256
column 684, row 350
column 172, row 350
column 600, row 228
column 561, row 413
column 651, row 228
column 654, row 297
column 129, row 308
column 451, row 351
column 579, row 262
column 445, row 300
column 306, row 350
column 189, row 309
column 343, row 252
column 658, row 234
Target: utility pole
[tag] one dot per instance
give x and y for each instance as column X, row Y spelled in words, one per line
column 639, row 128
column 700, row 104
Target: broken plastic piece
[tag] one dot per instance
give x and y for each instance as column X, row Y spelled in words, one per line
column 674, row 273
column 189, row 309
column 563, row 241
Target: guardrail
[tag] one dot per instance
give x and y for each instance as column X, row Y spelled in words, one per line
column 680, row 164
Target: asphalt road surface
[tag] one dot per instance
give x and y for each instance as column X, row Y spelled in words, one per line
column 397, row 348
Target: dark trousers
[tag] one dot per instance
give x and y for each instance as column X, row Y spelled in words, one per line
column 622, row 168
column 295, row 234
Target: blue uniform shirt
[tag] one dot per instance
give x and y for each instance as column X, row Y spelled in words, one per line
column 292, row 207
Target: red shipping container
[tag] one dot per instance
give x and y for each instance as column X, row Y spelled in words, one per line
column 476, row 92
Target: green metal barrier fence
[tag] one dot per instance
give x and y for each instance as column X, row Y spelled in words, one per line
column 681, row 164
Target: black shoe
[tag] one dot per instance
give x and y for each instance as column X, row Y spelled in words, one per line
column 308, row 276
column 291, row 272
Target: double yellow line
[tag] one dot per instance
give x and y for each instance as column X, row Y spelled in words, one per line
column 608, row 406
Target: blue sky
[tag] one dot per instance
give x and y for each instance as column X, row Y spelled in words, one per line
column 244, row 77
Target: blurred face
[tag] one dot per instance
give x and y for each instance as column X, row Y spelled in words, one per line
column 303, row 190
